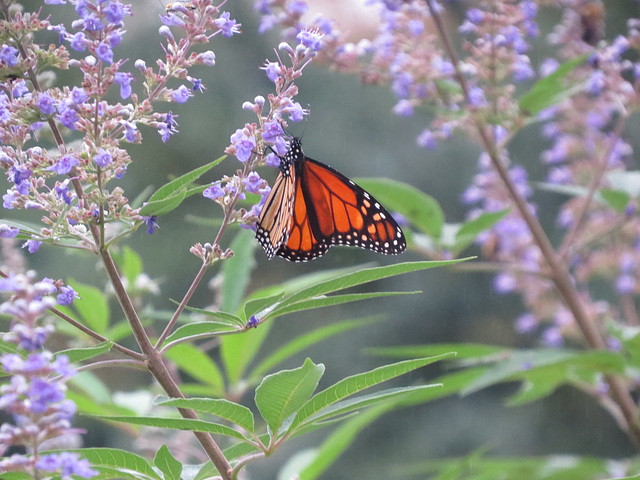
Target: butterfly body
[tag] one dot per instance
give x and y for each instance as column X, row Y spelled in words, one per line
column 313, row 207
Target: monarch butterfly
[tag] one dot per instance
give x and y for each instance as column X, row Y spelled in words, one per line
column 312, row 207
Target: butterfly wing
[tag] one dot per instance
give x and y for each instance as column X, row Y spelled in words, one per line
column 332, row 210
column 274, row 223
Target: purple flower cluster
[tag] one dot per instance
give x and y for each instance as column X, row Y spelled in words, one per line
column 36, row 396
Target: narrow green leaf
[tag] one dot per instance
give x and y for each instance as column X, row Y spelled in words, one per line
column 281, row 394
column 237, row 269
column 323, row 301
column 357, row 383
column 360, row 277
column 422, row 210
column 339, row 440
column 170, row 467
column 196, row 329
column 197, row 364
column 617, row 199
column 543, row 370
column 164, row 205
column 186, row 424
column 120, row 460
column 16, row 476
column 472, row 228
column 233, row 412
column 304, row 341
column 352, row 405
column 257, row 305
column 237, row 351
column 183, row 181
column 552, row 89
column 77, row 355
column 229, row 318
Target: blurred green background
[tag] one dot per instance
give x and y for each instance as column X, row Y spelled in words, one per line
column 350, row 127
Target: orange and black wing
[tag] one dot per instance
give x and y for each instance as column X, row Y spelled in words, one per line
column 332, row 210
column 274, row 223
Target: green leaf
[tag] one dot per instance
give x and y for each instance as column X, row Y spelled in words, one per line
column 237, row 351
column 77, row 355
column 198, row 329
column 257, row 305
column 552, row 89
column 346, row 407
column 197, row 364
column 281, row 394
column 186, row 424
column 222, row 408
column 472, row 228
column 322, row 301
column 352, row 279
column 120, row 460
column 617, row 199
column 237, row 269
column 422, row 210
column 304, row 341
column 92, row 306
column 545, row 369
column 357, row 383
column 228, row 318
column 339, row 440
column 170, row 195
column 170, row 467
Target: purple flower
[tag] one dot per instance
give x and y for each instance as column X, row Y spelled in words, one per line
column 310, row 39
column 182, row 94
column 207, row 58
column 295, row 111
column 272, row 70
column 79, row 42
column 62, row 190
column 114, row 12
column 548, row 66
column 404, row 108
column 103, row 158
column 625, row 284
column 46, row 104
column 64, row 164
column 214, row 191
column 475, row 16
column 42, row 393
column 522, row 69
column 197, row 85
column 124, row 80
column 151, row 223
column 244, row 143
column 104, row 53
column 78, row 95
column 68, row 117
column 253, row 322
column 272, row 160
column 272, row 131
column 226, row 25
column 114, row 38
column 476, row 97
column 32, row 245
column 68, row 463
column 427, row 140
column 167, row 128
column 9, row 55
column 253, row 182
column 401, row 84
column 8, row 198
column 67, row 295
column 55, row 2
column 504, row 283
column 19, row 89
column 130, row 130
column 596, row 83
column 58, row 28
column 526, row 323
column 7, row 231
column 552, row 337
column 92, row 23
